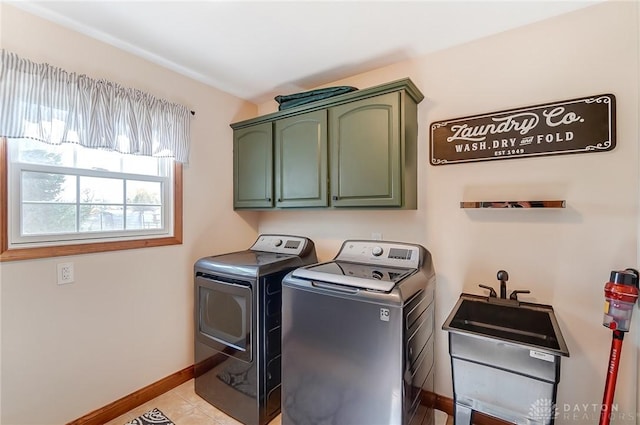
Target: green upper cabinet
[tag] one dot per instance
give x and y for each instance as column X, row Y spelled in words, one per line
column 301, row 160
column 253, row 166
column 365, row 153
column 355, row 150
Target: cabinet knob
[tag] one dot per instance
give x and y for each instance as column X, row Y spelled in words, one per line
column 268, row 199
column 335, row 198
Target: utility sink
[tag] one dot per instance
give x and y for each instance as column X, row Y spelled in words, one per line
column 505, row 357
column 533, row 325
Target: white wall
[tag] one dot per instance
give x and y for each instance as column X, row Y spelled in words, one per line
column 563, row 256
column 126, row 322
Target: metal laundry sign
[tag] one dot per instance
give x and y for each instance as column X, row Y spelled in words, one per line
column 571, row 126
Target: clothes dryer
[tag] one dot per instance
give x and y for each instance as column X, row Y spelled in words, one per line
column 237, row 325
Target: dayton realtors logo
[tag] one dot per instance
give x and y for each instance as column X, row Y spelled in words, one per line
column 544, row 410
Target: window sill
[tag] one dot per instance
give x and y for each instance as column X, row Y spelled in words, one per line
column 62, row 250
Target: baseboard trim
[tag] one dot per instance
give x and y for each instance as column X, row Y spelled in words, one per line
column 445, row 404
column 135, row 399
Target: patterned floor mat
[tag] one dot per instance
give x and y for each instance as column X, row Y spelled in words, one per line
column 152, row 417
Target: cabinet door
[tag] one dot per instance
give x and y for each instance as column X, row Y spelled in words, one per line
column 301, row 160
column 365, row 152
column 253, row 166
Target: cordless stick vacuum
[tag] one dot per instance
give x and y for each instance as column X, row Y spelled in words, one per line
column 621, row 294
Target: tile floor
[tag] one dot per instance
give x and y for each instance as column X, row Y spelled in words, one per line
column 184, row 407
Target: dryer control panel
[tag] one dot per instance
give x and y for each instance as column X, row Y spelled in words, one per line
column 391, row 254
column 280, row 244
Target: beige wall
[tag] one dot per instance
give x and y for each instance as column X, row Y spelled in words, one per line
column 126, row 322
column 637, row 316
column 563, row 256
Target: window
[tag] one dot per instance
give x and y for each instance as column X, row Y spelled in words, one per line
column 65, row 199
column 86, row 165
column 67, row 192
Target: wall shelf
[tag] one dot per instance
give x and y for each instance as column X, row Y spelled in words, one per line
column 514, row 204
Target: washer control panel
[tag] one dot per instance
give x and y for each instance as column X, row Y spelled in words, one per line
column 282, row 244
column 392, row 254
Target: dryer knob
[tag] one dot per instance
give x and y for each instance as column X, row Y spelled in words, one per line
column 278, row 242
column 377, row 251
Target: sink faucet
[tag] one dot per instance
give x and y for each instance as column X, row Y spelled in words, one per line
column 492, row 292
column 503, row 276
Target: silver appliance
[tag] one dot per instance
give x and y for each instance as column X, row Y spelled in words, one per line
column 505, row 358
column 357, row 337
column 238, row 325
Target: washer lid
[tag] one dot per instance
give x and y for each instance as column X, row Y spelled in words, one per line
column 362, row 276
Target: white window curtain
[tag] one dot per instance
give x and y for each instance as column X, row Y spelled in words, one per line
column 39, row 101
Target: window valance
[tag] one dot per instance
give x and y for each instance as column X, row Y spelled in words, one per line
column 46, row 103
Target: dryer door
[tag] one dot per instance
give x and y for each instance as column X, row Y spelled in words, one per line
column 224, row 315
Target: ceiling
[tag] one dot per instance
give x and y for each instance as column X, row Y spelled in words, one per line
column 258, row 49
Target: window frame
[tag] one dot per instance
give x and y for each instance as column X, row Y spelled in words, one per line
column 56, row 250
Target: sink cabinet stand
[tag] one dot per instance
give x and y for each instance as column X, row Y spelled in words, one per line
column 507, row 381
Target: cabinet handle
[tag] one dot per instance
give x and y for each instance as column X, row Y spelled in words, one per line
column 268, row 199
column 335, row 198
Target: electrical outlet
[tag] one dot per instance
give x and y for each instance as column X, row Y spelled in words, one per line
column 65, row 273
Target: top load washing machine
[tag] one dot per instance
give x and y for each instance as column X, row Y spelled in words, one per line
column 357, row 337
column 238, row 325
